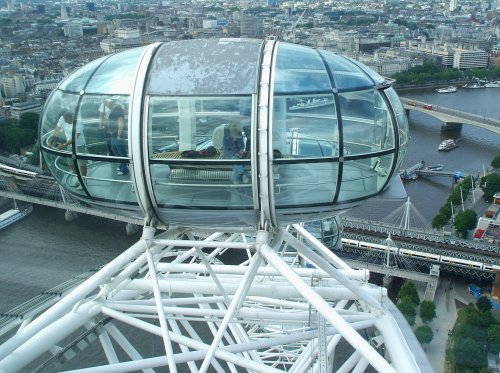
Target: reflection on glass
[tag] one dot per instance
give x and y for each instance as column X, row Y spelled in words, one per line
column 103, row 182
column 364, row 177
column 304, row 183
column 346, row 75
column 367, row 123
column 305, row 126
column 115, row 75
column 63, row 170
column 60, row 103
column 299, row 69
column 77, row 80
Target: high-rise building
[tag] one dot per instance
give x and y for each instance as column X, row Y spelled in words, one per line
column 64, row 12
column 453, row 5
column 251, row 27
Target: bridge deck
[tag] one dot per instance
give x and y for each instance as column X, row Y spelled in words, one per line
column 448, row 115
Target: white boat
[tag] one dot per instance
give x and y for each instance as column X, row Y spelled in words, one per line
column 493, row 84
column 473, row 86
column 449, row 89
column 447, row 145
column 11, row 216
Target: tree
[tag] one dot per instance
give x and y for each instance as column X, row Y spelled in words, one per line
column 439, row 221
column 494, row 338
column 408, row 290
column 424, row 334
column 29, row 121
column 408, row 309
column 490, row 184
column 469, row 353
column 427, row 310
column 483, row 304
column 464, row 221
column 495, row 163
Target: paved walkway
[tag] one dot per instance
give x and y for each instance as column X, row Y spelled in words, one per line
column 446, row 316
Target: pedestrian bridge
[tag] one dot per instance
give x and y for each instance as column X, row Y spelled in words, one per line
column 449, row 116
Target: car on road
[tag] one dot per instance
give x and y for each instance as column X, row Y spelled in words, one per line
column 427, row 107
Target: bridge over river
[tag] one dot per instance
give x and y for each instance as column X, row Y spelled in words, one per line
column 451, row 116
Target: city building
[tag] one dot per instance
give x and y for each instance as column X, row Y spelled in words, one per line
column 494, row 59
column 113, row 45
column 469, row 59
column 251, row 27
column 453, row 5
column 12, row 85
column 73, row 29
column 20, row 108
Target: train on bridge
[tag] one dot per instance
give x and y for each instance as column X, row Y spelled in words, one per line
column 432, row 257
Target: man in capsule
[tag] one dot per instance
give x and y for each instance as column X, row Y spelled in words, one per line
column 65, row 124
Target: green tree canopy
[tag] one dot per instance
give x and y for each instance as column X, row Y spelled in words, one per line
column 408, row 309
column 439, row 221
column 495, row 163
column 424, row 334
column 29, row 121
column 494, row 338
column 408, row 290
column 490, row 184
column 13, row 137
column 427, row 310
column 483, row 304
column 465, row 221
column 469, row 353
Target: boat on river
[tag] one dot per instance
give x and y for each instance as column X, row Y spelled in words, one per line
column 13, row 215
column 474, row 85
column 493, row 84
column 449, row 89
column 447, row 145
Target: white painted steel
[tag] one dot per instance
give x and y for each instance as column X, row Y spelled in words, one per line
column 139, row 161
column 266, row 205
column 326, row 310
column 259, row 315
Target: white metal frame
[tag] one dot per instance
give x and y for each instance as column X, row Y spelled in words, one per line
column 267, row 314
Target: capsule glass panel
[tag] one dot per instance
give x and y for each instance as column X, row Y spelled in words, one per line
column 102, row 116
column 402, row 122
column 346, row 75
column 299, row 69
column 303, row 184
column 104, row 182
column 364, row 177
column 201, row 150
column 367, row 123
column 60, row 104
column 114, row 75
column 62, row 168
column 77, row 81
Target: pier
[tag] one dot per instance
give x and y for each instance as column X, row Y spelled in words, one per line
column 415, row 171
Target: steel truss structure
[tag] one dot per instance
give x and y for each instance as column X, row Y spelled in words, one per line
column 289, row 304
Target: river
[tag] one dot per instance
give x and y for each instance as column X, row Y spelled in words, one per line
column 44, row 250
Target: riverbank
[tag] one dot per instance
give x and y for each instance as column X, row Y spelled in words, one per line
column 431, row 85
